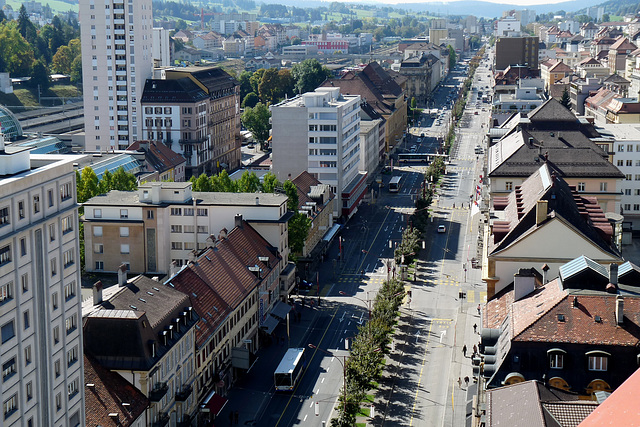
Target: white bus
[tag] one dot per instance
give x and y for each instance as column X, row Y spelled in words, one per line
column 394, row 184
column 289, row 370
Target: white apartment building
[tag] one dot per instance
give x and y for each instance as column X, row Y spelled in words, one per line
column 117, row 58
column 320, row 132
column 161, row 49
column 507, row 26
column 40, row 315
column 626, row 157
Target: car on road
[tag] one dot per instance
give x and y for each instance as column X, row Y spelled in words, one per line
column 419, row 140
column 442, row 229
column 305, row 285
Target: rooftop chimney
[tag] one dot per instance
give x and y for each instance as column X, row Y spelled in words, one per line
column 257, row 201
column 613, row 274
column 238, row 220
column 541, row 211
column 619, row 310
column 122, row 275
column 97, row 293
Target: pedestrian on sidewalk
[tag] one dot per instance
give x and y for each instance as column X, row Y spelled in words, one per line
column 475, row 328
column 466, row 381
column 478, row 309
column 459, row 382
column 475, row 349
column 464, row 350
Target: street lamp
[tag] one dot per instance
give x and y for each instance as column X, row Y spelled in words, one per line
column 367, row 302
column 344, row 374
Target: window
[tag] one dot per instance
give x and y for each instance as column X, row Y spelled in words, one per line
column 27, row 355
column 629, row 162
column 36, row 204
column 627, row 206
column 203, row 229
column 65, row 191
column 69, row 290
column 636, row 207
column 124, row 248
column 72, row 388
column 10, row 406
column 56, row 368
column 72, row 356
column 71, row 323
column 67, row 258
column 98, row 248
column 7, row 331
column 630, row 148
column 52, row 232
column 189, row 229
column 59, row 396
column 636, row 192
column 6, row 292
column 54, row 300
column 637, row 177
column 29, row 392
column 50, row 197
column 203, row 212
column 627, row 191
column 67, row 225
column 124, row 213
column 56, row 334
column 54, row 267
column 25, row 282
column 97, row 213
column 628, row 177
column 620, row 163
column 176, row 229
column 598, row 363
column 25, row 317
column 4, row 216
column 124, row 231
column 97, row 231
column 508, row 186
column 149, row 214
column 99, row 265
column 176, row 245
column 23, row 246
column 188, row 211
column 603, row 186
column 21, row 209
column 176, row 211
column 5, row 255
column 8, row 369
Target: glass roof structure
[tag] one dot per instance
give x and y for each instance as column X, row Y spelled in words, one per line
column 9, row 124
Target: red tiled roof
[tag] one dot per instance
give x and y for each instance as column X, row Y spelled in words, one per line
column 158, row 155
column 106, row 396
column 220, row 278
column 619, row 409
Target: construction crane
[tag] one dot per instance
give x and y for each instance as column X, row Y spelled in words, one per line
column 202, row 15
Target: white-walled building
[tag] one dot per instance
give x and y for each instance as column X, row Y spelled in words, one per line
column 161, row 49
column 117, row 58
column 320, row 132
column 40, row 312
column 507, row 26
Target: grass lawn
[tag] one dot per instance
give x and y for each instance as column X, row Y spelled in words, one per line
column 23, row 98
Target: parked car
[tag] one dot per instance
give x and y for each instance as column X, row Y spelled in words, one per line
column 305, row 285
column 442, row 229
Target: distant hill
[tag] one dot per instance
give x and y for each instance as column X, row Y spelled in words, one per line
column 617, row 7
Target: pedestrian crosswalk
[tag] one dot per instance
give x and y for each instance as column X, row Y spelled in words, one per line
column 357, row 278
column 477, row 296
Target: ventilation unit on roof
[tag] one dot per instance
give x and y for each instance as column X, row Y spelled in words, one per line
column 598, row 319
column 561, row 317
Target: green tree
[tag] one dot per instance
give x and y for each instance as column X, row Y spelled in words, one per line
column 287, row 84
column 255, row 80
column 62, row 60
column 223, row 183
column 269, row 87
column 566, row 99
column 251, row 100
column 298, row 227
column 308, row 75
column 201, row 183
column 25, row 26
column 605, row 18
column 16, row 55
column 269, row 183
column 414, row 103
column 292, row 193
column 76, row 70
column 452, row 57
column 256, row 120
column 124, row 181
column 39, row 76
column 181, row 25
column 245, row 83
column 106, row 182
column 248, row 183
column 90, row 186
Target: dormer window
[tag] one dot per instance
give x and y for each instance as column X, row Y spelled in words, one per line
column 598, row 360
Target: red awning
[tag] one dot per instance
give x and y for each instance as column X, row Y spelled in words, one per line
column 215, row 404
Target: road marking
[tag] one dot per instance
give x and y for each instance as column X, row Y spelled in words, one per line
column 305, row 417
column 424, row 358
column 322, row 381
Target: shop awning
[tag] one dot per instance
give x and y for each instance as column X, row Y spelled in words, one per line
column 280, row 310
column 269, row 324
column 329, row 235
column 214, row 403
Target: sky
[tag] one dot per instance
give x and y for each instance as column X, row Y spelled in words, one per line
column 511, row 3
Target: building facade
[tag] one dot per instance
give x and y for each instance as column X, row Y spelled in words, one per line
column 117, row 59
column 320, row 132
column 40, row 312
column 516, row 51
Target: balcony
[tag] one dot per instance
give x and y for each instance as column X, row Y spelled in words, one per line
column 192, row 141
column 163, row 420
column 158, row 392
column 184, row 393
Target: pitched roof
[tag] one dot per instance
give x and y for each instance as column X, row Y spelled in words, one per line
column 118, row 331
column 582, row 213
column 622, row 44
column 157, row 155
column 560, row 67
column 533, row 404
column 172, row 91
column 219, row 280
column 620, row 408
column 107, row 395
